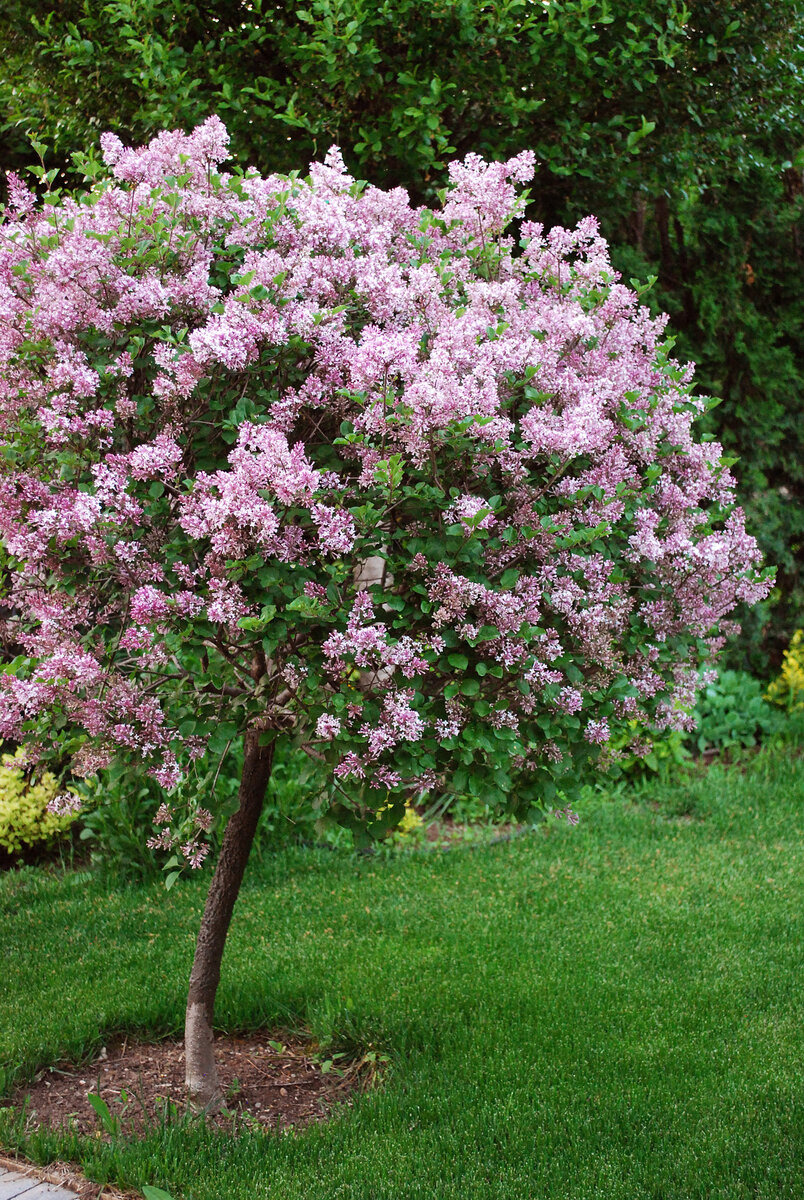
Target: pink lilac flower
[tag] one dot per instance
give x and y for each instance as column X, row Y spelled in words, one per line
column 471, row 511
column 65, row 804
column 165, row 840
column 195, row 853
column 568, row 815
column 167, row 774
column 336, row 529
column 569, row 700
column 350, row 764
column 385, row 777
column 328, row 727
column 148, row 604
column 597, row 732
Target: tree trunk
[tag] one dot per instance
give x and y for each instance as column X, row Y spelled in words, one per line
column 203, row 1089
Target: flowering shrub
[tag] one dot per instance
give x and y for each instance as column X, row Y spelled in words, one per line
column 25, row 821
column 787, row 690
column 293, row 455
column 292, row 458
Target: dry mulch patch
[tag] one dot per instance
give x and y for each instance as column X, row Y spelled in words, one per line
column 142, row 1084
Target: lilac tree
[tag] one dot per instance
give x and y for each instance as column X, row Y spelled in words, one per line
column 290, row 458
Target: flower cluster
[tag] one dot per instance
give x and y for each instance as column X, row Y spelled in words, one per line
column 295, row 455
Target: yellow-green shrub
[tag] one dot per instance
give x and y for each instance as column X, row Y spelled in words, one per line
column 24, row 819
column 787, row 690
column 409, row 823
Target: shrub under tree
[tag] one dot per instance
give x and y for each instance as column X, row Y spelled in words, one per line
column 292, row 460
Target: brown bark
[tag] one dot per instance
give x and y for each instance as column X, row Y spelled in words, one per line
column 203, row 1088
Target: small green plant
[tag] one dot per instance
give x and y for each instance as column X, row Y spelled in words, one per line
column 732, row 713
column 329, row 1064
column 25, row 821
column 664, row 755
column 787, row 690
column 110, row 1124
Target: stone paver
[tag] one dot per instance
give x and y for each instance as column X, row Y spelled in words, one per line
column 12, row 1184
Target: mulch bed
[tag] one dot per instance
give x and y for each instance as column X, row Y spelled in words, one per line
column 142, row 1085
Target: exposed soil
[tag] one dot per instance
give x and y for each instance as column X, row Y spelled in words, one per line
column 142, row 1084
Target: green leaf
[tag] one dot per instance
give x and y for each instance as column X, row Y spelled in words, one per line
column 487, row 633
column 267, row 614
column 102, row 1112
column 459, row 661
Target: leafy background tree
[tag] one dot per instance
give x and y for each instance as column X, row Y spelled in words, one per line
column 678, row 126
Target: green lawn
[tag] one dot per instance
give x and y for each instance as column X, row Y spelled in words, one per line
column 613, row 1011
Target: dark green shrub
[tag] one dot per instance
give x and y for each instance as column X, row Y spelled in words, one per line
column 732, row 713
column 116, row 809
column 665, row 756
column 119, row 806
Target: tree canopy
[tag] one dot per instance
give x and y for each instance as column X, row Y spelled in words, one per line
column 677, row 126
column 288, row 457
